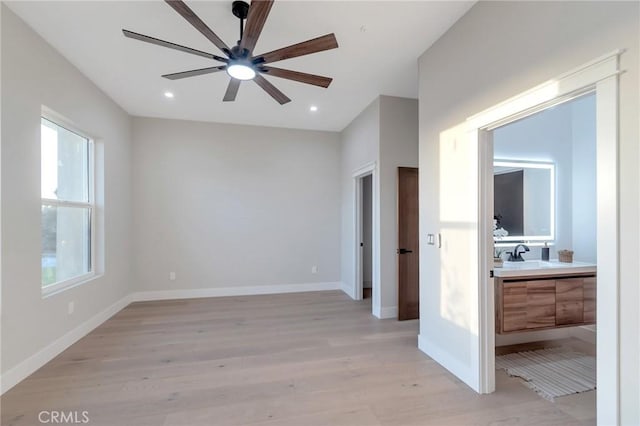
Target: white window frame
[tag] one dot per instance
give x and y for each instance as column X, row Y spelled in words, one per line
column 60, row 286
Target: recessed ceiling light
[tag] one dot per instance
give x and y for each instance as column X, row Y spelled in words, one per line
column 313, row 108
column 168, row 95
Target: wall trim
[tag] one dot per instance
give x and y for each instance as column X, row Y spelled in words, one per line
column 194, row 293
column 27, row 367
column 386, row 312
column 349, row 291
column 533, row 336
column 585, row 333
column 445, row 359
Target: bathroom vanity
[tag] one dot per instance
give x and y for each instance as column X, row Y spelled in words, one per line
column 539, row 295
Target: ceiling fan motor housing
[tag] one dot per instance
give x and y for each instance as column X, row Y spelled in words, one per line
column 238, row 52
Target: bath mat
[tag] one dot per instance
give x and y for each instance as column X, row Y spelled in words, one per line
column 551, row 372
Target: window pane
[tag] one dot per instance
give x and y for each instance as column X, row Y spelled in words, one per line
column 66, row 248
column 64, row 163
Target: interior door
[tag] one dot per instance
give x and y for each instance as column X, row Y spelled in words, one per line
column 408, row 259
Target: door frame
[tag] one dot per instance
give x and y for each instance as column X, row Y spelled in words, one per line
column 369, row 169
column 599, row 76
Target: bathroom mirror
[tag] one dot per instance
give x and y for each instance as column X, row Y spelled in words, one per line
column 524, row 200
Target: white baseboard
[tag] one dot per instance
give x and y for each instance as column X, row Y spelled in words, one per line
column 385, row 312
column 27, row 367
column 349, row 291
column 195, row 293
column 532, row 336
column 586, row 333
column 444, row 359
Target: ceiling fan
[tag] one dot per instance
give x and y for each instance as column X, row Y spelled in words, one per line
column 240, row 62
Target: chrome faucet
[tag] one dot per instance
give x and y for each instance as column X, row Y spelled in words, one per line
column 516, row 255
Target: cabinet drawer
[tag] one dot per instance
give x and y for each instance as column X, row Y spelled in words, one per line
column 528, row 305
column 541, row 304
column 589, row 292
column 569, row 301
column 514, row 306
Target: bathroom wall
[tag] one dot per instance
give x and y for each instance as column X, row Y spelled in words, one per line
column 584, row 206
column 565, row 136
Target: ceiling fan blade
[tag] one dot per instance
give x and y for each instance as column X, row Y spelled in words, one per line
column 157, row 41
column 258, row 13
column 188, row 14
column 193, row 73
column 302, row 77
column 232, row 90
column 325, row 42
column 271, row 89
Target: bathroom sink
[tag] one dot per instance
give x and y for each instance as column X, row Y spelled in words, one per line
column 542, row 267
column 527, row 264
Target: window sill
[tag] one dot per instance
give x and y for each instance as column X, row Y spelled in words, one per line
column 62, row 286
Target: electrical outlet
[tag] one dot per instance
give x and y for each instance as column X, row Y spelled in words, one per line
column 71, row 308
column 314, row 269
column 172, row 276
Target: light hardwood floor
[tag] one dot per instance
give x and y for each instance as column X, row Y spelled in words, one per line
column 297, row 359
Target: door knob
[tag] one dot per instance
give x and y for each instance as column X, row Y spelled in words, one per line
column 404, row 251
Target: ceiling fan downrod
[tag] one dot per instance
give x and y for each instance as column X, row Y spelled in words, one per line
column 240, row 10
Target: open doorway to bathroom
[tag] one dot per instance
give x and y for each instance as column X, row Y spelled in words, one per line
column 545, row 239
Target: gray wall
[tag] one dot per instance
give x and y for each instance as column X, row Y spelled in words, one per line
column 229, row 206
column 33, row 75
column 359, row 145
column 398, row 148
column 584, row 206
column 523, row 44
column 386, row 132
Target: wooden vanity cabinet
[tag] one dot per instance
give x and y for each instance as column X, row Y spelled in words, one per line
column 525, row 304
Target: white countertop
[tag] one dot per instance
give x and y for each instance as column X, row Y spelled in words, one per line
column 542, row 267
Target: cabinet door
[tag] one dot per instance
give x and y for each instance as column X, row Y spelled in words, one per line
column 589, row 292
column 541, row 304
column 569, row 301
column 514, row 306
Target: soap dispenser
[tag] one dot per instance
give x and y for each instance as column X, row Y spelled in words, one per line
column 545, row 252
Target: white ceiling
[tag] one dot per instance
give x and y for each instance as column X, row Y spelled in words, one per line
column 379, row 46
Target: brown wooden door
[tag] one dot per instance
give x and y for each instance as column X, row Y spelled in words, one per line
column 408, row 260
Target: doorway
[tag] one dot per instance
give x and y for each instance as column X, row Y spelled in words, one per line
column 599, row 77
column 366, row 242
column 544, row 201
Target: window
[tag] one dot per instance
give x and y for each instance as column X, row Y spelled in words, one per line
column 67, row 206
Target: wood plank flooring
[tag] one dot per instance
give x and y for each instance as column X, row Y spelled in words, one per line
column 296, row 359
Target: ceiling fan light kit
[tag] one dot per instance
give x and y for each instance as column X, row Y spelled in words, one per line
column 241, row 70
column 240, row 63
